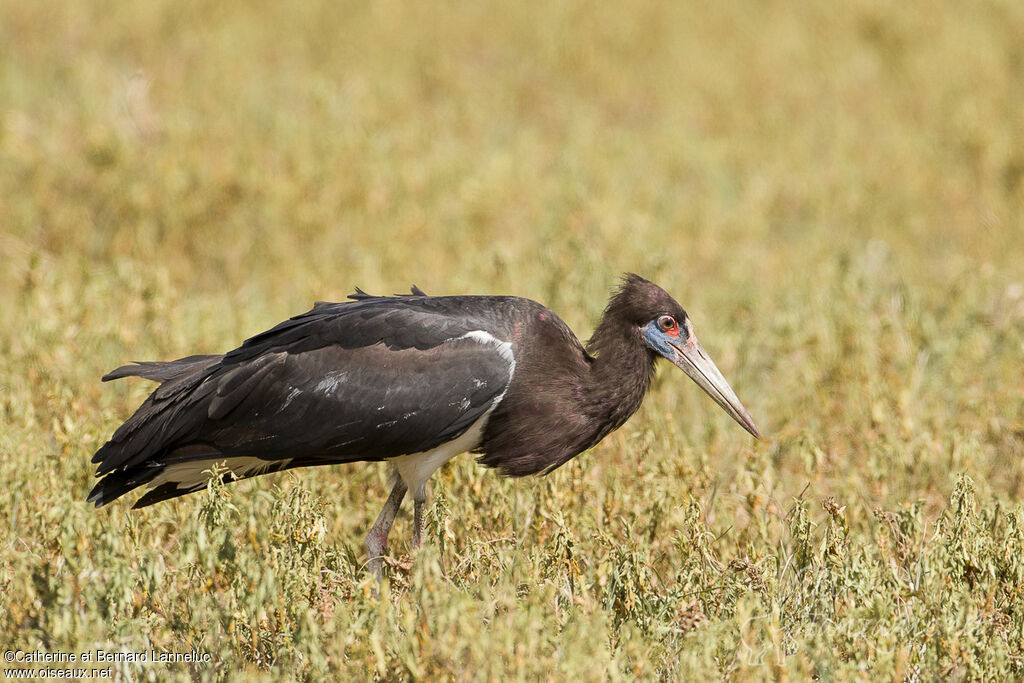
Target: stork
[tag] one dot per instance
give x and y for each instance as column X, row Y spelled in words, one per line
column 410, row 379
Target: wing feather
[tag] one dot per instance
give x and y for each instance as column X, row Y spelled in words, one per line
column 366, row 380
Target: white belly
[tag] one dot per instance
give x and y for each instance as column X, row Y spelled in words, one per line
column 416, row 468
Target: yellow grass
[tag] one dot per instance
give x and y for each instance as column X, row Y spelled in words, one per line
column 834, row 191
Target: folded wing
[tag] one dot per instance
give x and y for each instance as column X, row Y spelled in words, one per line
column 367, row 380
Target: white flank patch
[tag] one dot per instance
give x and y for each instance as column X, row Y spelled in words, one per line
column 504, row 347
column 186, row 475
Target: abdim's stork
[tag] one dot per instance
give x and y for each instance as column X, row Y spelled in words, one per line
column 414, row 380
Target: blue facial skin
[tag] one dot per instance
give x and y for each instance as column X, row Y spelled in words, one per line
column 659, row 341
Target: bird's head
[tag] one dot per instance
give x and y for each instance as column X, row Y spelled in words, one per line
column 666, row 330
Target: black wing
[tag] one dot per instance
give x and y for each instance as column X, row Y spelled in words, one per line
column 366, row 380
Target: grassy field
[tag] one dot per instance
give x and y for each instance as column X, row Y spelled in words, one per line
column 834, row 191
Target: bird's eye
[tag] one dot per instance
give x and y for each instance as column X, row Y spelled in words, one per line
column 667, row 323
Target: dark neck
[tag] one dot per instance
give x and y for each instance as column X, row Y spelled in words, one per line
column 620, row 373
column 583, row 399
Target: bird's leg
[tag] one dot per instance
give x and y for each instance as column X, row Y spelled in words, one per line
column 377, row 539
column 419, row 499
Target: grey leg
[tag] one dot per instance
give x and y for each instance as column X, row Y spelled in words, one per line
column 419, row 499
column 377, row 539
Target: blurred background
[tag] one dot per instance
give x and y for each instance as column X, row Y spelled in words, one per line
column 834, row 192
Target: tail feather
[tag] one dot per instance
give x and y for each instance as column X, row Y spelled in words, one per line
column 161, row 371
column 116, row 484
column 141, row 451
column 147, row 428
column 156, row 446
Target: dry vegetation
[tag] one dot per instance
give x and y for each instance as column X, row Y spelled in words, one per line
column 835, row 192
